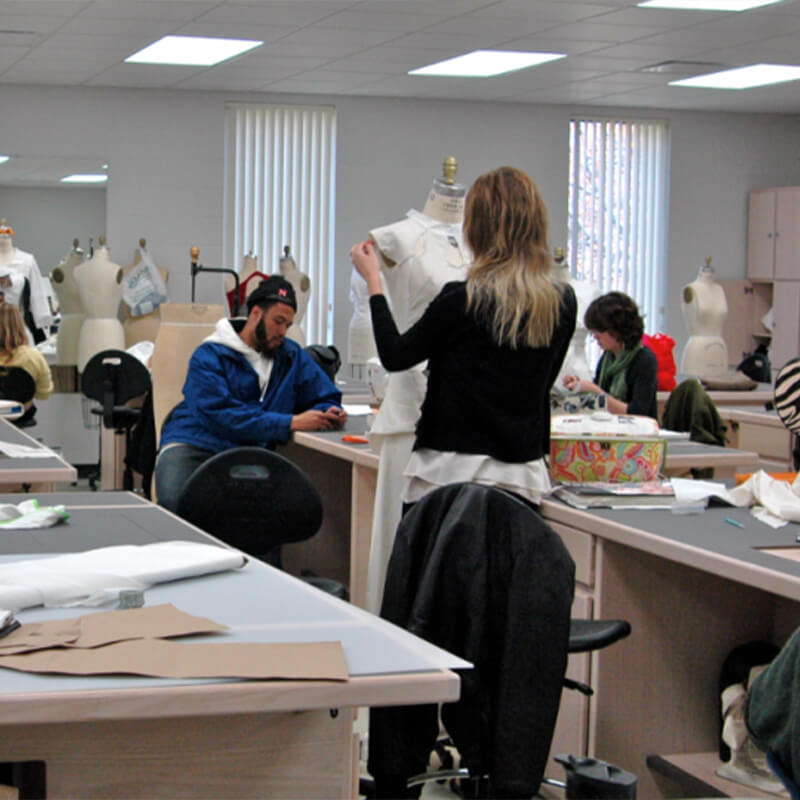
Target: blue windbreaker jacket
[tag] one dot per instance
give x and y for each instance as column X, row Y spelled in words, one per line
column 222, row 405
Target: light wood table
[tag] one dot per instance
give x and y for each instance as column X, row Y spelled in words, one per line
column 760, row 430
column 346, row 475
column 130, row 737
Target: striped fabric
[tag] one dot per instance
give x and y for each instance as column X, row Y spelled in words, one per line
column 787, row 394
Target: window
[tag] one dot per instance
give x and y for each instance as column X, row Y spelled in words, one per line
column 618, row 194
column 280, row 189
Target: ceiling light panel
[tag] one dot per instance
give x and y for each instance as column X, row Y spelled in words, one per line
column 743, row 77
column 486, row 63
column 84, row 178
column 200, row 51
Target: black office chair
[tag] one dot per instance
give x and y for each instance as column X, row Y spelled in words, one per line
column 255, row 500
column 113, row 378
column 17, row 384
column 477, row 571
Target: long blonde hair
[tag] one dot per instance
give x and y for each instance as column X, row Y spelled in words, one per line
column 12, row 329
column 505, row 225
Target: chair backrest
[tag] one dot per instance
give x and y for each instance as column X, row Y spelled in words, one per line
column 253, row 499
column 16, row 384
column 182, row 329
column 477, row 571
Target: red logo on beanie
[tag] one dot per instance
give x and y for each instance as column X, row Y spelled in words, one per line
column 282, row 292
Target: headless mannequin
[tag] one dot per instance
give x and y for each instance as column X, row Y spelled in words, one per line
column 249, row 278
column 302, row 290
column 62, row 279
column 360, row 341
column 418, row 256
column 100, row 285
column 16, row 266
column 143, row 328
column 575, row 362
column 704, row 308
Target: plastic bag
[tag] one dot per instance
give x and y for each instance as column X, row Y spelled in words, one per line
column 143, row 288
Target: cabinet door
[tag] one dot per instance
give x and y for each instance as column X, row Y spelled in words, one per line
column 786, row 336
column 760, row 234
column 787, row 234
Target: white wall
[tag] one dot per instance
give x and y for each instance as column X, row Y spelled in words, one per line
column 165, row 150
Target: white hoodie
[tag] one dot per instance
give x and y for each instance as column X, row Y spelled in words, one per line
column 224, row 334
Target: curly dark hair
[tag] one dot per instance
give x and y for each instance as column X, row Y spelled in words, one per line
column 617, row 314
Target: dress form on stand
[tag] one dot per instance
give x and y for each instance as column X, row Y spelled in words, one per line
column 576, row 361
column 704, row 308
column 17, row 266
column 360, row 341
column 62, row 279
column 302, row 289
column 100, row 285
column 143, row 328
column 418, row 256
column 249, row 278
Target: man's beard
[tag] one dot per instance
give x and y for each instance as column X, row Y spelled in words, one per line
column 262, row 344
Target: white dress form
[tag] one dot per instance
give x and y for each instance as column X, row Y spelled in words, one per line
column 302, row 290
column 62, row 279
column 249, row 278
column 576, row 361
column 418, row 256
column 704, row 308
column 14, row 261
column 143, row 328
column 100, row 285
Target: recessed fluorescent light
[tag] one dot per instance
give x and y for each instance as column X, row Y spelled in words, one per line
column 485, row 63
column 3, row 159
column 84, row 178
column 199, row 51
column 743, row 77
column 709, row 5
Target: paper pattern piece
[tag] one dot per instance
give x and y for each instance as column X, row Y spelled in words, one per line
column 25, row 451
column 107, row 627
column 165, row 659
column 96, row 576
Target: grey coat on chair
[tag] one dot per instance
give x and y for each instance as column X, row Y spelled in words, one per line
column 477, row 571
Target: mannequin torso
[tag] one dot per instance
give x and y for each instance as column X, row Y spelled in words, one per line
column 704, row 308
column 143, row 328
column 99, row 282
column 62, row 279
column 249, row 278
column 302, row 289
column 14, row 260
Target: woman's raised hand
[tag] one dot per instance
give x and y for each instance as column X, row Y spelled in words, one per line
column 365, row 260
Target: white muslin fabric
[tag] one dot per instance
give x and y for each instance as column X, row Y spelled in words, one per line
column 773, row 502
column 29, row 514
column 96, row 576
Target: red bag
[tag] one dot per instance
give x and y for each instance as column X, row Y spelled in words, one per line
column 663, row 345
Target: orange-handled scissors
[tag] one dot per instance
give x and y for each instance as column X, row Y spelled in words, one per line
column 351, row 439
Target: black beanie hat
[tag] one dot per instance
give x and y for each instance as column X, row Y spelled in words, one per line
column 273, row 288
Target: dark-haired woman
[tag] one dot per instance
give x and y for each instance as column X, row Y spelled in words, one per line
column 627, row 371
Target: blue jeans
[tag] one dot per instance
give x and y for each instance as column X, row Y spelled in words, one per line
column 173, row 468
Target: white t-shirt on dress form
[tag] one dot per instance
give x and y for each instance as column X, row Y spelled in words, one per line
column 100, row 285
column 704, row 308
column 12, row 259
column 425, row 254
column 62, row 279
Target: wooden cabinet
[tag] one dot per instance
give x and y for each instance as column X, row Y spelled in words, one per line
column 773, row 234
column 786, row 311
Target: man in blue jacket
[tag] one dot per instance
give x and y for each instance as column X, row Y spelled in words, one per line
column 251, row 386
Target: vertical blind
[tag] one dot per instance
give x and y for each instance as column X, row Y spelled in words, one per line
column 618, row 196
column 280, row 189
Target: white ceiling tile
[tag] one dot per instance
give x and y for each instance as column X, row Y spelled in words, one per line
column 376, row 21
column 59, row 76
column 446, row 8
column 35, row 23
column 551, row 11
column 235, row 30
column 659, row 17
column 650, row 53
column 163, row 10
column 56, row 8
column 589, row 31
column 490, row 29
column 548, row 44
column 340, row 36
column 285, row 14
column 142, row 75
column 8, row 55
column 447, row 43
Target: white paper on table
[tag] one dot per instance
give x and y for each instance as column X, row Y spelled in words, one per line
column 356, row 409
column 96, row 576
column 25, row 451
column 29, row 514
